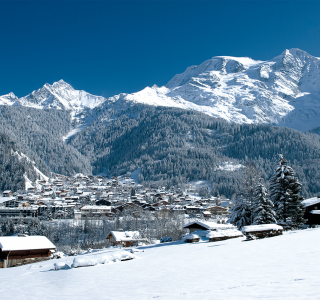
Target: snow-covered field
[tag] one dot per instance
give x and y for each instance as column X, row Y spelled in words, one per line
column 282, row 267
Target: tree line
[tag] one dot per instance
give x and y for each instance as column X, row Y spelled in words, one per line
column 282, row 205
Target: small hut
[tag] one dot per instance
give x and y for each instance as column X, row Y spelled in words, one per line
column 220, row 235
column 312, row 211
column 23, row 249
column 213, row 231
column 124, row 238
column 207, row 226
column 261, row 231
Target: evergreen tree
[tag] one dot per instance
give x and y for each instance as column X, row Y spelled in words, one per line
column 262, row 207
column 34, row 226
column 49, row 215
column 240, row 213
column 284, row 193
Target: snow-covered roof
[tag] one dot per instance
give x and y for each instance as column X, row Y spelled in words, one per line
column 311, row 201
column 14, row 243
column 4, row 199
column 262, row 227
column 97, row 207
column 125, row 235
column 224, row 233
column 210, row 225
column 224, row 203
column 315, row 212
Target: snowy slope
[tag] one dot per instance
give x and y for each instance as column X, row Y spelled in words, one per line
column 282, row 267
column 28, row 182
column 283, row 91
column 61, row 95
column 9, row 99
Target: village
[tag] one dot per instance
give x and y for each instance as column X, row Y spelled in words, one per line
column 96, row 197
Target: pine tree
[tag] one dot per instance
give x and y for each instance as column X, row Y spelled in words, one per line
column 284, row 193
column 34, row 226
column 240, row 213
column 262, row 207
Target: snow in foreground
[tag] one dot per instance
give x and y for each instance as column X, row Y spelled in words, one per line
column 282, row 267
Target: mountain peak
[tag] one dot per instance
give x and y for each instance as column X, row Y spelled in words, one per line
column 61, row 84
column 295, row 53
column 8, row 99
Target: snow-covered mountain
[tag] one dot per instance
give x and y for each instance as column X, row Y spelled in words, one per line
column 59, row 95
column 9, row 99
column 283, row 91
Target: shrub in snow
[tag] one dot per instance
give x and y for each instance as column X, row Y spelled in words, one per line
column 73, row 252
column 166, row 239
column 134, row 250
column 191, row 238
column 60, row 265
column 58, row 254
column 101, row 258
column 83, row 262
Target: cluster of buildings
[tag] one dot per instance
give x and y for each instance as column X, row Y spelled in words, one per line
column 82, row 197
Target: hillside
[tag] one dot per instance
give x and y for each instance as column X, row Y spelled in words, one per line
column 281, row 267
column 168, row 145
column 178, row 146
column 39, row 134
column 15, row 167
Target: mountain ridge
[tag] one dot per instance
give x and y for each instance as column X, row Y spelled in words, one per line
column 283, row 91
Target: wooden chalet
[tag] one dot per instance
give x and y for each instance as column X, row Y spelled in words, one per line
column 218, row 210
column 312, row 212
column 205, row 225
column 95, row 211
column 103, row 202
column 261, row 231
column 124, row 238
column 220, row 235
column 23, row 248
column 7, row 193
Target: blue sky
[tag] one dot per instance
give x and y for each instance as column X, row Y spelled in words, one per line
column 109, row 47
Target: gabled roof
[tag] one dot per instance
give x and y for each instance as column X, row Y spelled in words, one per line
column 5, row 199
column 262, row 227
column 14, row 243
column 310, row 201
column 125, row 235
column 96, row 207
column 209, row 225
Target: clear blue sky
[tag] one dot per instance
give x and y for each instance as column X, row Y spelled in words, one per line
column 109, row 47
